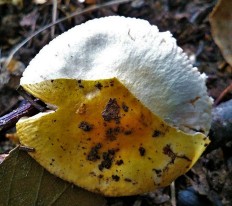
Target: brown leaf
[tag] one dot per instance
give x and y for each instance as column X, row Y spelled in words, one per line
column 24, row 182
column 221, row 23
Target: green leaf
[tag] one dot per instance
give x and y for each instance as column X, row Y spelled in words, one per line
column 24, row 182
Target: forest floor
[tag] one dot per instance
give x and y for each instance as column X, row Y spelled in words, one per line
column 209, row 181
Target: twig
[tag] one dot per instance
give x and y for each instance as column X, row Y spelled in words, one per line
column 39, row 106
column 223, row 94
column 9, row 120
column 54, row 16
column 26, row 149
column 173, row 194
column 32, row 107
column 89, row 9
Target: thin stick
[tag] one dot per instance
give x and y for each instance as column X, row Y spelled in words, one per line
column 39, row 106
column 173, row 193
column 32, row 107
column 54, row 16
column 26, row 149
column 223, row 94
column 9, row 120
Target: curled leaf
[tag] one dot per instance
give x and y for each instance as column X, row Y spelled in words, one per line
column 221, row 23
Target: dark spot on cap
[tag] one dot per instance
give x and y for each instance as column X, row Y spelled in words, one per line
column 85, row 126
column 116, row 178
column 61, row 146
column 112, row 83
column 119, row 162
column 124, row 107
column 128, row 132
column 107, row 159
column 52, row 81
column 142, row 151
column 111, row 111
column 98, row 85
column 111, row 133
column 168, row 151
column 92, row 174
column 183, row 157
column 127, row 180
column 100, row 176
column 52, row 161
column 156, row 133
column 93, row 154
column 158, row 172
column 79, row 83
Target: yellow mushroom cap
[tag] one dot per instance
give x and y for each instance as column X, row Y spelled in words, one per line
column 116, row 83
column 103, row 139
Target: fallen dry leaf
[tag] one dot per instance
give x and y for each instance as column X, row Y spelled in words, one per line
column 221, row 23
column 24, row 182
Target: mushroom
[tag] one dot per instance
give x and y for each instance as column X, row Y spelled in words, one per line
column 129, row 111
